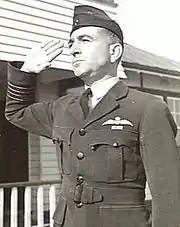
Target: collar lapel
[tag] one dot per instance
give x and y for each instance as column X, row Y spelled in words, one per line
column 108, row 103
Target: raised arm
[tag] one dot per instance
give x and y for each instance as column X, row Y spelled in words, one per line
column 21, row 107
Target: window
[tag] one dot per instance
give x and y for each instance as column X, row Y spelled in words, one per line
column 174, row 106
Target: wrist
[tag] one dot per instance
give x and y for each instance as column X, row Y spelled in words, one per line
column 24, row 68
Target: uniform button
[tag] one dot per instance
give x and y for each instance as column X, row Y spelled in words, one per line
column 80, row 179
column 82, row 132
column 80, row 155
column 79, row 205
column 115, row 144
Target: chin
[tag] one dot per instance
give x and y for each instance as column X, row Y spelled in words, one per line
column 80, row 74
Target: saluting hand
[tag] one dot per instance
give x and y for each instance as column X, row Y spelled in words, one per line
column 41, row 57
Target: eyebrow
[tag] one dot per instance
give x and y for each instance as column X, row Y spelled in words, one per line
column 80, row 38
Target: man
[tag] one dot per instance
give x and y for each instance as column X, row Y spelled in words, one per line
column 106, row 154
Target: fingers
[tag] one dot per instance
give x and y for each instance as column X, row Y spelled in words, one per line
column 57, row 51
column 46, row 43
column 52, row 48
column 51, row 45
column 56, row 46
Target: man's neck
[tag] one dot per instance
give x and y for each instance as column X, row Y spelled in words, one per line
column 100, row 87
column 94, row 78
column 102, row 79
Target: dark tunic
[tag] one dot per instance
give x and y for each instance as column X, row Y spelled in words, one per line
column 105, row 159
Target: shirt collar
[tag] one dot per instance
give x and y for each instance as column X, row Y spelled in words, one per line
column 101, row 87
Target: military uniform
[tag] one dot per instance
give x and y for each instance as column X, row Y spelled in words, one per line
column 105, row 158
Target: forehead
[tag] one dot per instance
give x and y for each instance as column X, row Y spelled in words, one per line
column 95, row 32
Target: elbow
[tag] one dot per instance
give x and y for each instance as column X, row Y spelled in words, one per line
column 8, row 116
column 13, row 115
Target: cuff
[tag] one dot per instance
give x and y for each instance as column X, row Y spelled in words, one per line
column 21, row 85
column 18, row 77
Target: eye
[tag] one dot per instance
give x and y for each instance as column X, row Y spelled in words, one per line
column 70, row 45
column 85, row 40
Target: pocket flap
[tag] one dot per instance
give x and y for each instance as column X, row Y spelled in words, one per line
column 121, row 137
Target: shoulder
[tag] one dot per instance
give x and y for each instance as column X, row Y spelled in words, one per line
column 153, row 111
column 151, row 108
column 143, row 100
column 140, row 96
column 151, row 103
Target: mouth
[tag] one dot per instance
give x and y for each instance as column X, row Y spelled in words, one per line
column 76, row 62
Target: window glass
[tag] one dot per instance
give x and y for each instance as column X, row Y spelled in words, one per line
column 177, row 106
column 170, row 104
column 178, row 119
column 174, row 106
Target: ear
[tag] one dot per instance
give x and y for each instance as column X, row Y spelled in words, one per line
column 115, row 51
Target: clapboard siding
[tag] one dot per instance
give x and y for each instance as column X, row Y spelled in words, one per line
column 33, row 28
column 34, row 157
column 25, row 24
column 33, row 6
column 49, row 165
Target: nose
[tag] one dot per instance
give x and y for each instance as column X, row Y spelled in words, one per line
column 75, row 50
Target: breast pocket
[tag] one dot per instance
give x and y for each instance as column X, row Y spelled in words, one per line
column 62, row 141
column 108, row 162
column 111, row 156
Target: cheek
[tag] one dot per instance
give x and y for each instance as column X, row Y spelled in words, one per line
column 102, row 56
column 97, row 55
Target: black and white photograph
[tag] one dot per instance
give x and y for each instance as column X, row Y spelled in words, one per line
column 89, row 113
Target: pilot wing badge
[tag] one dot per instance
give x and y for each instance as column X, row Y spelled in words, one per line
column 117, row 123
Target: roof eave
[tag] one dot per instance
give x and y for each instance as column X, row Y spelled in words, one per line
column 147, row 68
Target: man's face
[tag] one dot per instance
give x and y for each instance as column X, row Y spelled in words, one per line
column 89, row 48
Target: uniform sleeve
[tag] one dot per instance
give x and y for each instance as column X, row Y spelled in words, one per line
column 161, row 161
column 21, row 109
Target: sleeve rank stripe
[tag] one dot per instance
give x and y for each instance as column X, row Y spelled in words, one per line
column 20, row 91
column 20, row 97
column 17, row 99
column 20, row 87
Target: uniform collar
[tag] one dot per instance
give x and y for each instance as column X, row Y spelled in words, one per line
column 101, row 87
column 107, row 104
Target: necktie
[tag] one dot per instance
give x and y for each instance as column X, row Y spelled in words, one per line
column 84, row 101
